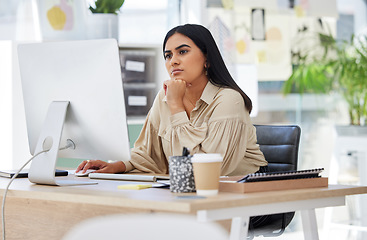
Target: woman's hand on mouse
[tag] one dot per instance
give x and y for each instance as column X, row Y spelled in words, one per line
column 101, row 166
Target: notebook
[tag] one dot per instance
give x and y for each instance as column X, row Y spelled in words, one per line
column 284, row 175
column 24, row 173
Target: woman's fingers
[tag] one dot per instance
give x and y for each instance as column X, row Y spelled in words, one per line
column 90, row 164
column 81, row 166
column 101, row 166
column 175, row 88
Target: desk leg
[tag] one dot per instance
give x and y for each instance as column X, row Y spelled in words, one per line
column 239, row 228
column 309, row 223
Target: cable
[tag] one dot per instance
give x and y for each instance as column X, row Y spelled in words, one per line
column 7, row 188
column 69, row 144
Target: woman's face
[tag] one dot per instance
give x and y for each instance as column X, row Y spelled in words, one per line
column 184, row 60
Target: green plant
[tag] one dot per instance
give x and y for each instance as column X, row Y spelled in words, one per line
column 107, row 6
column 339, row 67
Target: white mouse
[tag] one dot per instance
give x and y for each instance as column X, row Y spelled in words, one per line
column 81, row 174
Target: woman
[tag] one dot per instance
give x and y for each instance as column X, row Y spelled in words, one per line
column 200, row 107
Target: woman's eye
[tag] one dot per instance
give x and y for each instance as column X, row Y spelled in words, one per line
column 167, row 56
column 183, row 51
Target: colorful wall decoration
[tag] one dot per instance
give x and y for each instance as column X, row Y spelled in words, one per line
column 62, row 19
column 260, row 35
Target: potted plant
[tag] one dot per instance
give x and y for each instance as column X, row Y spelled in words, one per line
column 103, row 22
column 107, row 6
column 337, row 67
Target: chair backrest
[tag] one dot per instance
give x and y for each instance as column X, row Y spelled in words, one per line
column 280, row 145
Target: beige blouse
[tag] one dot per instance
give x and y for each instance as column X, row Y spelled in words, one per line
column 219, row 123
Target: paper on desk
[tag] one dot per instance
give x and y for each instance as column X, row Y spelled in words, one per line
column 231, row 179
column 127, row 177
column 134, row 186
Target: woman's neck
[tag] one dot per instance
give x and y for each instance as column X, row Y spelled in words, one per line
column 194, row 92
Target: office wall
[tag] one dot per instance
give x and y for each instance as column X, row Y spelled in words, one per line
column 16, row 25
column 14, row 144
column 6, row 103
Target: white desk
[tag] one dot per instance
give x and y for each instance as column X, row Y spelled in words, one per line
column 34, row 209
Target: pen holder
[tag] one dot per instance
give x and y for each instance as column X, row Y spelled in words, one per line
column 181, row 174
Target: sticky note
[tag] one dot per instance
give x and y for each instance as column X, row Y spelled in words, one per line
column 134, row 186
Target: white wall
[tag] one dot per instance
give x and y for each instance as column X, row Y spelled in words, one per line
column 16, row 25
column 193, row 11
column 13, row 141
column 6, row 104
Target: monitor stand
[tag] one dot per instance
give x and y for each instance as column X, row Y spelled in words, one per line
column 43, row 166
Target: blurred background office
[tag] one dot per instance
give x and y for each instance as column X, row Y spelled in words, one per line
column 263, row 42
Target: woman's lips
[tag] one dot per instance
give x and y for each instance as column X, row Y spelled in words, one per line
column 176, row 71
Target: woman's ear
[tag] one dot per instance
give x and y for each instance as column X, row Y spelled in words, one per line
column 206, row 64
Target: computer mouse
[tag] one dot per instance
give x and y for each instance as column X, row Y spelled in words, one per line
column 81, row 174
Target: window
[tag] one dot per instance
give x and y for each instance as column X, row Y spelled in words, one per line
column 145, row 21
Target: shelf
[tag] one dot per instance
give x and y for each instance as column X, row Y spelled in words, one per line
column 147, row 85
column 139, row 46
column 135, row 120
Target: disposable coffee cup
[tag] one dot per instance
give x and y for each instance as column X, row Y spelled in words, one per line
column 207, row 168
column 181, row 174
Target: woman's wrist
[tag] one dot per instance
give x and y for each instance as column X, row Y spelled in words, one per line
column 118, row 166
column 176, row 108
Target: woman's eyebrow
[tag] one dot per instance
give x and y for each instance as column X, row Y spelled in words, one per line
column 181, row 46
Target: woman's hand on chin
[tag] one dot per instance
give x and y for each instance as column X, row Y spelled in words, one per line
column 175, row 92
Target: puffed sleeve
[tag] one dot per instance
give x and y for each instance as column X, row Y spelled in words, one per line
column 147, row 154
column 230, row 138
column 182, row 133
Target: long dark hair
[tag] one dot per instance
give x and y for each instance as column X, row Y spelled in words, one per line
column 218, row 73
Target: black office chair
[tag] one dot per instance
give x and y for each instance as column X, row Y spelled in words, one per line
column 280, row 145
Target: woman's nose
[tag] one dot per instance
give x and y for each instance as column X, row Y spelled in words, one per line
column 174, row 60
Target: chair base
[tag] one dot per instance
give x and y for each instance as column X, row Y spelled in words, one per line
column 269, row 225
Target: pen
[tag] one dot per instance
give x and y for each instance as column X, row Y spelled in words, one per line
column 185, row 151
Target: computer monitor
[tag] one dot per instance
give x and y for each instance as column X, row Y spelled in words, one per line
column 73, row 94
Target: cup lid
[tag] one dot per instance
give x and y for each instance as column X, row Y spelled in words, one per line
column 207, row 157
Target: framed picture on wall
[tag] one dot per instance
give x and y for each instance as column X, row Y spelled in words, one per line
column 62, row 19
column 258, row 24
